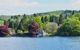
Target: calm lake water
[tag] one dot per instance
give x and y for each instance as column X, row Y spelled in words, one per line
column 49, row 43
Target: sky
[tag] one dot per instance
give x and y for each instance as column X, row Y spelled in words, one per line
column 15, row 7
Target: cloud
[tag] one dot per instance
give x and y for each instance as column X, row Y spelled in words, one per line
column 75, row 4
column 13, row 4
column 17, row 3
column 17, row 6
column 34, row 6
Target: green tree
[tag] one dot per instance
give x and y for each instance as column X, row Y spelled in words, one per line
column 24, row 23
column 76, row 15
column 42, row 19
column 52, row 18
column 46, row 19
column 61, row 18
column 70, row 27
column 37, row 19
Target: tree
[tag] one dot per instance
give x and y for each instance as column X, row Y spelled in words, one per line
column 61, row 18
column 24, row 23
column 46, row 19
column 37, row 19
column 42, row 19
column 33, row 29
column 51, row 28
column 13, row 22
column 70, row 27
column 52, row 18
column 76, row 15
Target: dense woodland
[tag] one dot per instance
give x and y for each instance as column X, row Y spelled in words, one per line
column 55, row 23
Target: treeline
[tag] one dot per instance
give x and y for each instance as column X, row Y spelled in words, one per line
column 63, row 23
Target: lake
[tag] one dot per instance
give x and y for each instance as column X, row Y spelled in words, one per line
column 45, row 43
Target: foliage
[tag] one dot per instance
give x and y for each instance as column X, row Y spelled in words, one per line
column 76, row 15
column 33, row 29
column 24, row 23
column 67, row 22
column 1, row 21
column 51, row 28
column 70, row 27
column 37, row 19
column 4, row 31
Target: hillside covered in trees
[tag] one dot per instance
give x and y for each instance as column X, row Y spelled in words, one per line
column 55, row 23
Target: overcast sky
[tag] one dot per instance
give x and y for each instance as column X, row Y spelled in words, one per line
column 12, row 7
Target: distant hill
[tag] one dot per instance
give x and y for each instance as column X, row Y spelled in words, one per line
column 55, row 13
column 51, row 13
